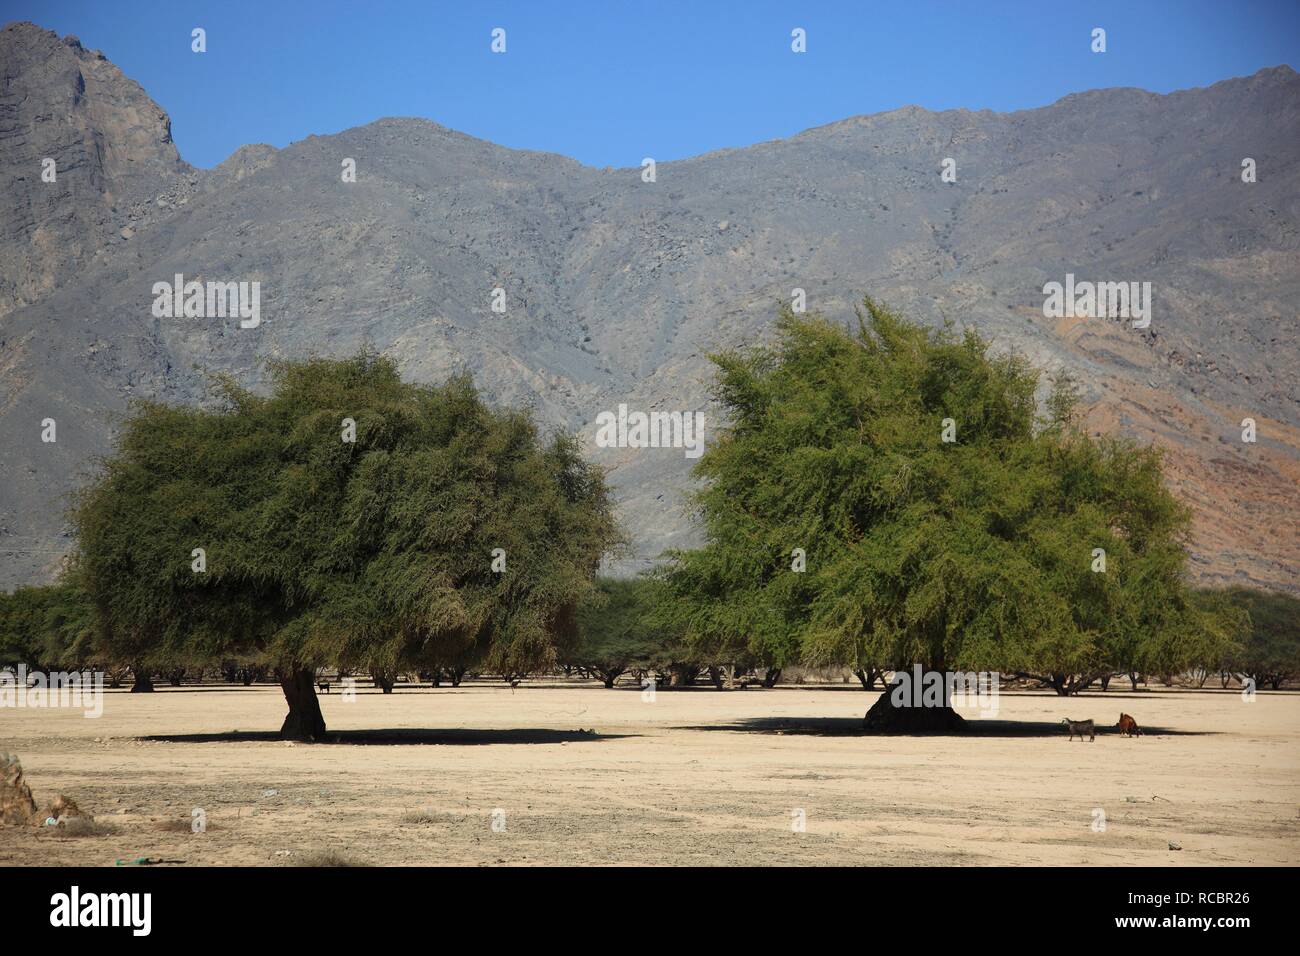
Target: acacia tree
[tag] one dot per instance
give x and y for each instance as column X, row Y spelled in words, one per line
column 889, row 497
column 47, row 626
column 619, row 631
column 348, row 518
column 1270, row 652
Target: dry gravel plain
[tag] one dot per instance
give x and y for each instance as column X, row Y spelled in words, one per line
column 585, row 775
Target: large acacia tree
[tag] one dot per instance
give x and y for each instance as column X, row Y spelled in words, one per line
column 890, row 496
column 346, row 518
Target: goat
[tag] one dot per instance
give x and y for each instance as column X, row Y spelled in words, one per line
column 1129, row 726
column 1080, row 727
column 323, row 685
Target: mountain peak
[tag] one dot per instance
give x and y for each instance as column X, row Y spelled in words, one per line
column 82, row 143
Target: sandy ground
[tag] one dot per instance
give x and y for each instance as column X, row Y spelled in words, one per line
column 696, row 777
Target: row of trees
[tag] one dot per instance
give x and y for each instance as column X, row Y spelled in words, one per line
column 883, row 496
column 627, row 630
column 632, row 630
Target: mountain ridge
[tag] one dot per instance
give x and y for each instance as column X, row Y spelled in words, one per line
column 616, row 288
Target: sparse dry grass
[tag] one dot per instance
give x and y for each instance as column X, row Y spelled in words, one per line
column 183, row 826
column 324, row 858
column 419, row 817
column 79, row 827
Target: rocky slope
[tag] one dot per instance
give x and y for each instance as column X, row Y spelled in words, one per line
column 616, row 289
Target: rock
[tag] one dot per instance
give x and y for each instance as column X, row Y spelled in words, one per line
column 1175, row 846
column 65, row 808
column 111, row 145
column 17, row 808
column 127, row 232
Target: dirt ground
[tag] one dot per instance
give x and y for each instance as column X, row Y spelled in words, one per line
column 584, row 775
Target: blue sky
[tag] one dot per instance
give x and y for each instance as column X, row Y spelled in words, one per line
column 611, row 82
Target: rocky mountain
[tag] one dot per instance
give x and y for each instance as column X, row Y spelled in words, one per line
column 616, row 289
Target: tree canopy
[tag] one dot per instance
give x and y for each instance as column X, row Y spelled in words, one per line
column 1270, row 651
column 347, row 517
column 621, row 630
column 889, row 495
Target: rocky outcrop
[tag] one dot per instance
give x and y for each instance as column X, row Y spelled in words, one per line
column 17, row 808
column 111, row 149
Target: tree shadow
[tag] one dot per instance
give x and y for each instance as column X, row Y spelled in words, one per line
column 404, row 735
column 975, row 727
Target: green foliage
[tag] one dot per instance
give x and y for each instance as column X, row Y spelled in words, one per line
column 974, row 554
column 47, row 627
column 1270, row 649
column 368, row 554
column 620, row 631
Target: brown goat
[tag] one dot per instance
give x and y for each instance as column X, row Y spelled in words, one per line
column 1129, row 726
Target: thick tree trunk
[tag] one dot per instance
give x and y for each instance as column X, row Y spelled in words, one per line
column 143, row 682
column 384, row 680
column 715, row 675
column 304, row 721
column 771, row 677
column 896, row 711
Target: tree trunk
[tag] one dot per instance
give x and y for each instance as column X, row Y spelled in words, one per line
column 682, row 675
column 1105, row 682
column 867, row 677
column 771, row 677
column 384, row 680
column 894, row 712
column 1133, row 679
column 143, row 683
column 715, row 675
column 304, row 721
